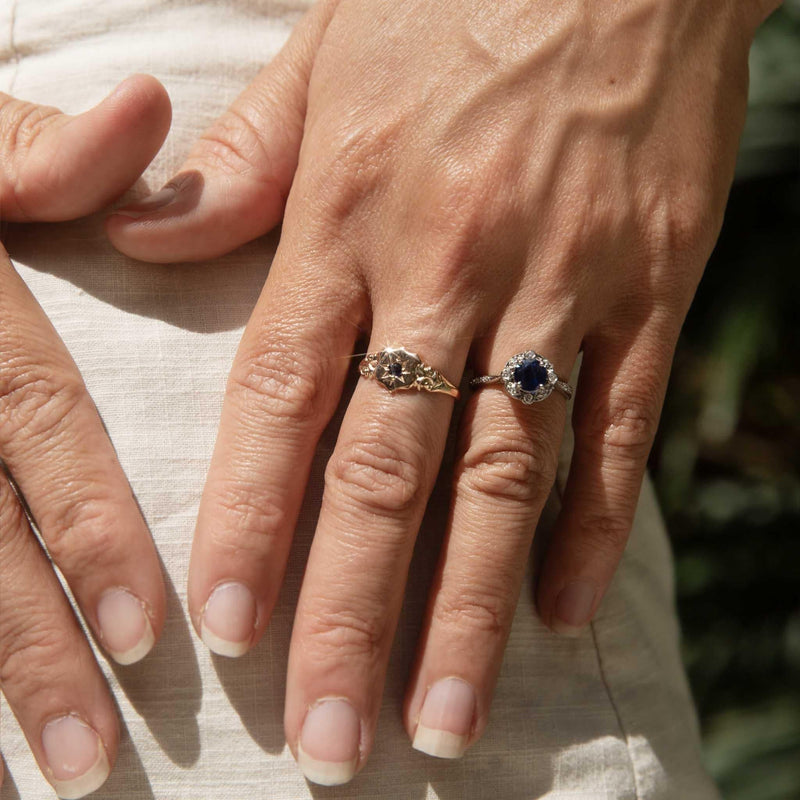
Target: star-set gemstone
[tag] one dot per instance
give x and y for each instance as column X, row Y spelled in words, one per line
column 396, row 368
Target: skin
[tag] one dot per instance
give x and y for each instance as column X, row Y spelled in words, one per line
column 55, row 167
column 465, row 178
column 470, row 180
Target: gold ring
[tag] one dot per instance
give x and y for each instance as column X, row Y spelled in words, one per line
column 396, row 368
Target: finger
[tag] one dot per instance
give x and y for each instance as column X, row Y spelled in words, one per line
column 53, row 441
column 234, row 184
column 283, row 388
column 618, row 404
column 57, row 167
column 505, row 468
column 47, row 671
column 377, row 483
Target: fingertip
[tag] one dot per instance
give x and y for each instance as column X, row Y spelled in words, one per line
column 69, row 166
column 80, row 163
column 128, row 127
column 142, row 103
column 147, row 88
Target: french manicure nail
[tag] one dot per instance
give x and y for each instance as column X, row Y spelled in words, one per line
column 327, row 751
column 573, row 608
column 147, row 205
column 76, row 759
column 229, row 619
column 445, row 721
column 125, row 629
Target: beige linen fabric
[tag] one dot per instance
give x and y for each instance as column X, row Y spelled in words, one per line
column 604, row 717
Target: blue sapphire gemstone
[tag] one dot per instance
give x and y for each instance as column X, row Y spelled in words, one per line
column 530, row 375
column 396, row 370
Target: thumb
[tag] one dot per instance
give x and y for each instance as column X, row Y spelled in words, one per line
column 234, row 184
column 56, row 167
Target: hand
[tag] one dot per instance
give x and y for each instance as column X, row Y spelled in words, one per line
column 52, row 441
column 468, row 179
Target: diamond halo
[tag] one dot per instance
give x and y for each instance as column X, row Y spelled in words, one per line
column 514, row 386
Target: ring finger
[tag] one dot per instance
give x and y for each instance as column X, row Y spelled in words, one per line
column 377, row 483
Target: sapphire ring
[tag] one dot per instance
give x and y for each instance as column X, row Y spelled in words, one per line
column 528, row 377
column 396, row 368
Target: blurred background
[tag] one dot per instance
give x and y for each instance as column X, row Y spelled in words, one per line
column 727, row 459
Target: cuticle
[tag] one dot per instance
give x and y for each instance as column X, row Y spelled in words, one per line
column 58, row 715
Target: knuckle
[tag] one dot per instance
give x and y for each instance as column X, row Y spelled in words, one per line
column 341, row 633
column 605, row 532
column 469, row 612
column 463, row 209
column 631, row 428
column 81, row 528
column 35, row 399
column 682, row 223
column 361, row 143
column 456, row 279
column 462, row 199
column 249, row 519
column 378, row 474
column 349, row 164
column 280, row 382
column 627, row 429
column 30, row 647
column 20, row 125
column 234, row 145
column 518, row 470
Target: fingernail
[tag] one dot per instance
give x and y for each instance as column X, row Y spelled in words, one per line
column 229, row 619
column 573, row 608
column 327, row 752
column 445, row 721
column 125, row 629
column 147, row 205
column 76, row 758
column 183, row 192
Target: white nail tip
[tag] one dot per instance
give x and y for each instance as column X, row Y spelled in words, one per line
column 441, row 744
column 138, row 651
column 220, row 646
column 90, row 781
column 325, row 773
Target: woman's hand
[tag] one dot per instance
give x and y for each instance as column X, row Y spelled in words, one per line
column 52, row 441
column 467, row 179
